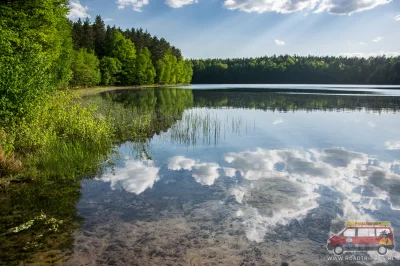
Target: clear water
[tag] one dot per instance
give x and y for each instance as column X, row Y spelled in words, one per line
column 248, row 175
column 232, row 174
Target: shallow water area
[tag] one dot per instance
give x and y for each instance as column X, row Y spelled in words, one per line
column 242, row 175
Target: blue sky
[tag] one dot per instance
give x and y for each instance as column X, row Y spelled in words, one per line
column 252, row 28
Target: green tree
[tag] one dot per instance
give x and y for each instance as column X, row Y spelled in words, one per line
column 145, row 71
column 124, row 50
column 99, row 34
column 188, row 72
column 85, row 68
column 34, row 53
column 88, row 36
column 160, row 70
column 77, row 34
column 109, row 68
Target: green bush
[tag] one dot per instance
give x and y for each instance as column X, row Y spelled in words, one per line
column 63, row 138
column 63, row 117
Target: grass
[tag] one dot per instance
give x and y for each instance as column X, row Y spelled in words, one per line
column 61, row 138
column 198, row 124
column 9, row 164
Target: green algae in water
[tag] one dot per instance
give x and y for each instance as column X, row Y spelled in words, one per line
column 37, row 221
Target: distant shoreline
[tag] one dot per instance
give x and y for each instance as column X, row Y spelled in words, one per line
column 100, row 89
column 96, row 90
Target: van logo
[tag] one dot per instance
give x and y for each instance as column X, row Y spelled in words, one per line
column 362, row 236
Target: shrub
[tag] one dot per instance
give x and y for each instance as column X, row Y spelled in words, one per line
column 63, row 138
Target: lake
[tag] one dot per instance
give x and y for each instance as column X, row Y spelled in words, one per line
column 227, row 174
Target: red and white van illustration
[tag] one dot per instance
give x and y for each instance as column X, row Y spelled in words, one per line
column 362, row 236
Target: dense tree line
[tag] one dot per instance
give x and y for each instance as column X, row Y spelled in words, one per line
column 111, row 56
column 298, row 70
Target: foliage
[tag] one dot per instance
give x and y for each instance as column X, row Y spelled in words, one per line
column 63, row 138
column 298, row 69
column 124, row 50
column 34, row 54
column 145, row 71
column 172, row 70
column 99, row 34
column 157, row 47
column 85, row 69
column 109, row 68
column 139, row 53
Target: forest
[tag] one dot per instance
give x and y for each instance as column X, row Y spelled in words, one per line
column 110, row 56
column 286, row 69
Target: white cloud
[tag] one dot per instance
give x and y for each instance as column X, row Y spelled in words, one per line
column 275, row 201
column 239, row 213
column 260, row 6
column 203, row 173
column 77, row 10
column 366, row 55
column 362, row 43
column 348, row 7
column 136, row 4
column 280, row 43
column 337, row 7
column 397, row 18
column 278, row 121
column 238, row 193
column 179, row 162
column 229, row 172
column 392, row 145
column 179, row 3
column 254, row 165
column 377, row 39
column 108, row 19
column 134, row 177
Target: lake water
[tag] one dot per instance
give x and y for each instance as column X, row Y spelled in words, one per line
column 238, row 175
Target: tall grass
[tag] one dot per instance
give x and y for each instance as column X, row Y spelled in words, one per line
column 60, row 139
column 199, row 124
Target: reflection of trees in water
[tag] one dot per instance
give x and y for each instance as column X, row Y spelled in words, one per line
column 284, row 101
column 139, row 114
column 37, row 221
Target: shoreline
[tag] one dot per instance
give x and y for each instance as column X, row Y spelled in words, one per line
column 96, row 90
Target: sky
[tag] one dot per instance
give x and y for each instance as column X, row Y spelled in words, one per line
column 254, row 28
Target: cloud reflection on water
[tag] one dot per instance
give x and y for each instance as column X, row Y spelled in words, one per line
column 203, row 173
column 134, row 176
column 282, row 185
